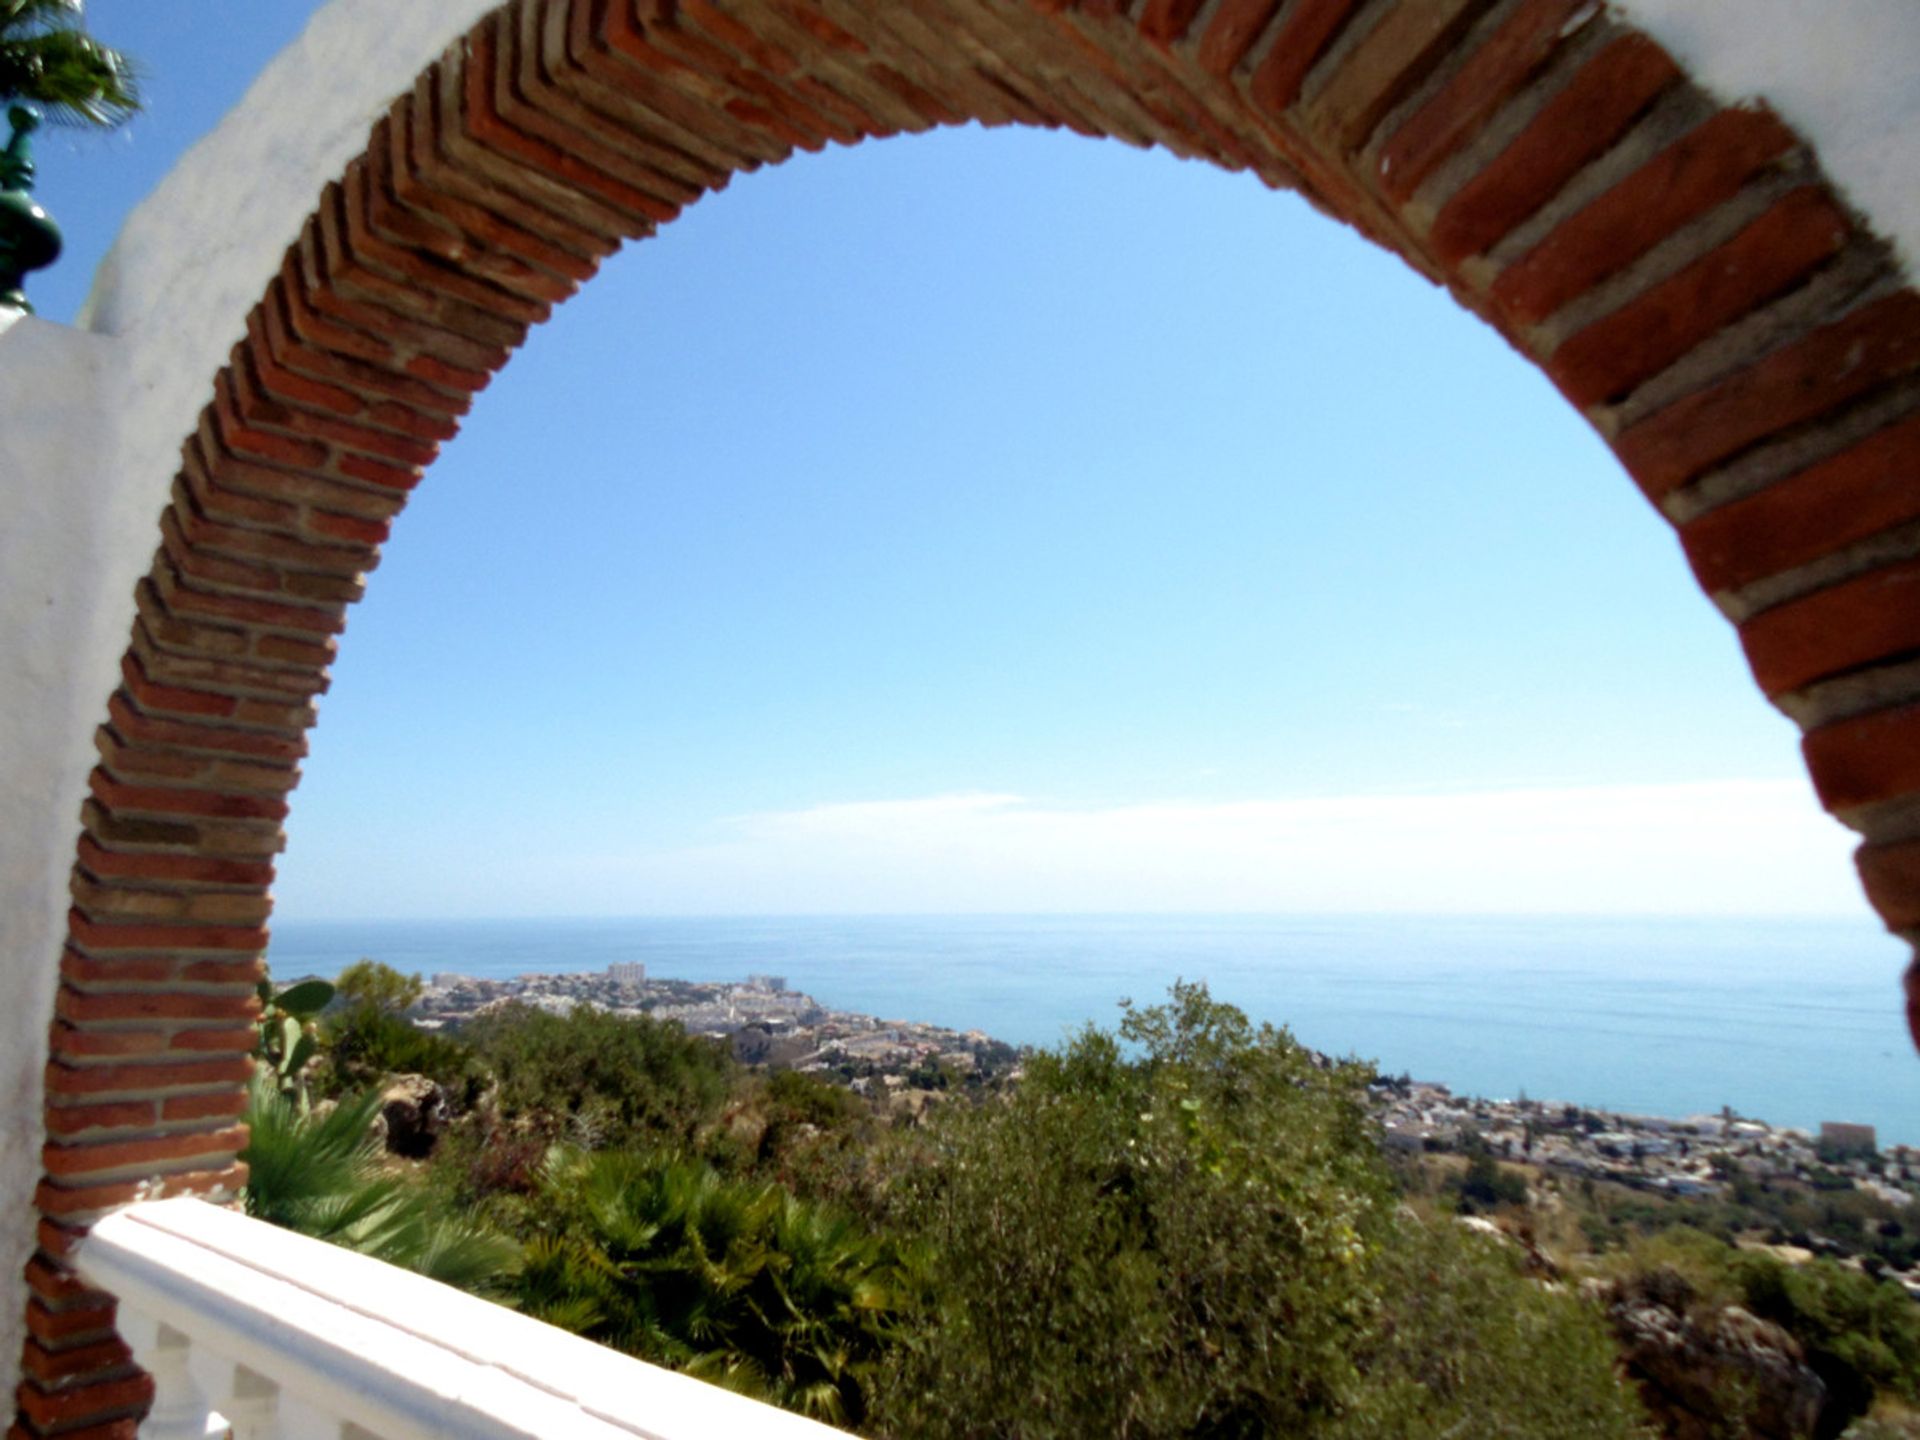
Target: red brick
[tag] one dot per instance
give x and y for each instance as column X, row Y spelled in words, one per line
column 1870, row 619
column 1615, row 354
column 151, row 696
column 1891, row 875
column 453, row 377
column 415, row 177
column 67, row 1200
column 115, row 1115
column 62, row 1291
column 145, row 1079
column 68, row 1407
column 1491, row 76
column 1573, row 129
column 1166, row 21
column 137, row 763
column 250, row 444
column 95, row 937
column 354, row 278
column 107, row 1430
column 308, row 653
column 1235, row 25
column 593, row 198
column 1796, row 383
column 205, row 1107
column 1866, row 488
column 422, row 270
column 182, row 1046
column 267, row 413
column 204, row 565
column 333, row 277
column 1384, row 66
column 186, row 600
column 288, row 386
column 1865, row 759
column 1308, row 29
column 233, row 677
column 82, row 1008
column 58, row 1241
column 68, row 1160
column 209, row 1042
column 84, row 969
column 192, row 869
column 1703, row 169
column 352, row 372
column 348, row 527
column 61, row 1327
column 52, row 1368
column 189, row 735
column 158, row 800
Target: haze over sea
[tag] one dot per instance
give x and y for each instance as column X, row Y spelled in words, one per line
column 1792, row 1021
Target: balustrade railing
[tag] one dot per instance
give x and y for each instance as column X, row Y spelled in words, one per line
column 255, row 1332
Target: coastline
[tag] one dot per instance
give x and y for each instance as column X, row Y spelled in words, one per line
column 1637, row 1016
column 764, row 1022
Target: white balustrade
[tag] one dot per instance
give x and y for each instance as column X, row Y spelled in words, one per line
column 261, row 1334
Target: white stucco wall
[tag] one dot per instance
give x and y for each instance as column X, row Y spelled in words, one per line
column 1844, row 73
column 95, row 416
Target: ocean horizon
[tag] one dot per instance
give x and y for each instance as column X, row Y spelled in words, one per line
column 1793, row 1021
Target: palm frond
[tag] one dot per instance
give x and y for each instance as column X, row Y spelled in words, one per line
column 48, row 59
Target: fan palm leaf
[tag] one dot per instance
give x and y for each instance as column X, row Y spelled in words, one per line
column 48, row 59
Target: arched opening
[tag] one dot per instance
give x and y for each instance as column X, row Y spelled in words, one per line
column 1679, row 271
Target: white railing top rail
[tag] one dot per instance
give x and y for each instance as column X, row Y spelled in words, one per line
column 389, row 1353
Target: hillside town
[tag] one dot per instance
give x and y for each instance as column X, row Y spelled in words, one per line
column 766, row 1023
column 762, row 1021
column 1700, row 1155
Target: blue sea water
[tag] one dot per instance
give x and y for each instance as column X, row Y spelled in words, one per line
column 1791, row 1021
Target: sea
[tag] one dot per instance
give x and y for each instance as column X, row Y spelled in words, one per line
column 1791, row 1021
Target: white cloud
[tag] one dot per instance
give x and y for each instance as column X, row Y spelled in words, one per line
column 1722, row 847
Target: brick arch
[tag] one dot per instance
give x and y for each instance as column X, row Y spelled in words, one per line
column 1681, row 270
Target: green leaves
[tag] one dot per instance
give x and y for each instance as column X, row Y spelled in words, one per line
column 318, row 1172
column 286, row 1033
column 47, row 58
column 743, row 1284
column 1187, row 1231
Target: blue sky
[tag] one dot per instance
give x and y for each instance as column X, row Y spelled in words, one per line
column 1006, row 521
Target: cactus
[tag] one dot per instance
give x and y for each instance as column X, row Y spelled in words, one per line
column 289, row 1034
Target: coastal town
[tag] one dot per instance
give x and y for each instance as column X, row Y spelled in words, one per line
column 761, row 1020
column 766, row 1023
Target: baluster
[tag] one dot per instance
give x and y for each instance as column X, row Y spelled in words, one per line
column 302, row 1420
column 246, row 1401
column 254, row 1406
column 180, row 1411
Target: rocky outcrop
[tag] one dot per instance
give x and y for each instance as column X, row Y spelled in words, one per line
column 1709, row 1371
column 414, row 1112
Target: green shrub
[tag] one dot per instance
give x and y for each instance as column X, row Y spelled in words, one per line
column 616, row 1079
column 1188, row 1231
column 738, row 1282
column 365, row 1043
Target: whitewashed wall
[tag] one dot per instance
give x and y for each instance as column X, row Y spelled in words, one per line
column 95, row 416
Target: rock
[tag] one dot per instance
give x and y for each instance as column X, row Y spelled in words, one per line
column 1701, row 1367
column 414, row 1111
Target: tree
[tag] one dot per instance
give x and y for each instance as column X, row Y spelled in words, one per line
column 613, row 1079
column 47, row 58
column 372, row 983
column 1188, row 1230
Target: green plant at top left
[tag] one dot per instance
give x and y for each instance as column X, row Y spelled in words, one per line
column 48, row 64
column 48, row 59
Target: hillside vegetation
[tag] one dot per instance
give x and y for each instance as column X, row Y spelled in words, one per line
column 1184, row 1227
